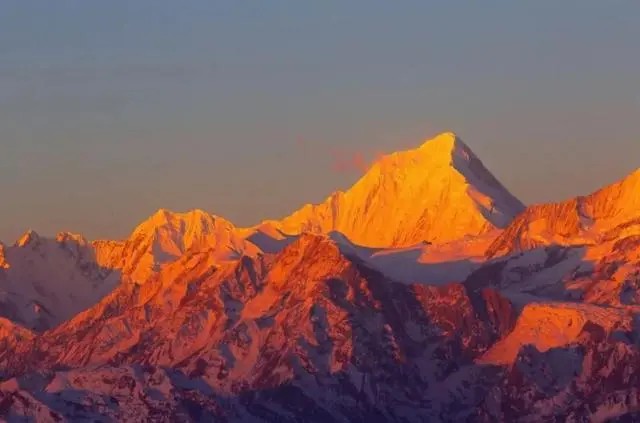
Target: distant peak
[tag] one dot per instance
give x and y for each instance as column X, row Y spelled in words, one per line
column 199, row 213
column 443, row 138
column 443, row 150
column 446, row 148
column 29, row 237
column 69, row 236
column 163, row 214
column 439, row 191
column 446, row 142
column 195, row 220
column 628, row 185
column 635, row 174
column 3, row 261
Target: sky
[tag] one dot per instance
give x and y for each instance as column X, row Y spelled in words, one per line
column 111, row 110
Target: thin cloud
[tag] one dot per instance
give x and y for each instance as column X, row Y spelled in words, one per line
column 353, row 161
column 343, row 161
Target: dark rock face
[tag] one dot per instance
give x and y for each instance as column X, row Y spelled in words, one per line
column 594, row 380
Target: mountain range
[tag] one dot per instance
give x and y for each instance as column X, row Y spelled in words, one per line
column 425, row 292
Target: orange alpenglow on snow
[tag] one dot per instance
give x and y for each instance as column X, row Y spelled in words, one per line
column 548, row 326
column 438, row 192
column 610, row 212
column 305, row 303
column 166, row 236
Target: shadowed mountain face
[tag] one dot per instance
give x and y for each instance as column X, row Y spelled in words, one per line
column 44, row 281
column 418, row 295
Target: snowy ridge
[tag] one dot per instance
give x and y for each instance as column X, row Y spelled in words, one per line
column 609, row 213
column 460, row 306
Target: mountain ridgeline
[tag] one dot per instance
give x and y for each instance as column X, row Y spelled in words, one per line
column 425, row 292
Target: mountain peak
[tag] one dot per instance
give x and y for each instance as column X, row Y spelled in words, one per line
column 182, row 228
column 446, row 142
column 443, row 151
column 166, row 235
column 164, row 217
column 449, row 149
column 438, row 192
column 27, row 238
column 63, row 237
column 613, row 210
column 3, row 258
column 633, row 176
column 615, row 203
column 163, row 213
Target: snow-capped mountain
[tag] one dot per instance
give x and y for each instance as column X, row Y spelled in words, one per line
column 309, row 327
column 44, row 281
column 424, row 293
column 439, row 193
column 609, row 213
column 166, row 236
column 436, row 193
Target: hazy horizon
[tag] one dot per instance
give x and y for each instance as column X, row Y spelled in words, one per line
column 112, row 111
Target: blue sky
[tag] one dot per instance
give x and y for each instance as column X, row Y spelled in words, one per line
column 110, row 110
